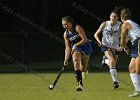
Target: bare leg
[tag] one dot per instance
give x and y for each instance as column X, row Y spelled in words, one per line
column 84, row 65
column 134, row 75
column 76, row 61
column 112, row 63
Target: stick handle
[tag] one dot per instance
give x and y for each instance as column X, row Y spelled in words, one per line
column 58, row 76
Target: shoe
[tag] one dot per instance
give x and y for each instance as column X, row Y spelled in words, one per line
column 84, row 74
column 135, row 94
column 115, row 85
column 79, row 88
column 103, row 64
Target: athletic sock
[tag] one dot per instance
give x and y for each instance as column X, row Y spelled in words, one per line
column 135, row 80
column 78, row 76
column 139, row 76
column 114, row 76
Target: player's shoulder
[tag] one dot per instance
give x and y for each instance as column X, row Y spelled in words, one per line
column 126, row 25
column 106, row 22
column 64, row 34
column 128, row 22
column 78, row 27
column 103, row 24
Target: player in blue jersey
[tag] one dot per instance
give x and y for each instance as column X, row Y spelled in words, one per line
column 131, row 30
column 77, row 45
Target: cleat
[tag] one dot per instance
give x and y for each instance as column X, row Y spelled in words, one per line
column 135, row 94
column 84, row 74
column 115, row 85
column 79, row 88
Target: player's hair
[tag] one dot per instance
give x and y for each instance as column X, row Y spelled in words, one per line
column 67, row 18
column 116, row 11
column 126, row 13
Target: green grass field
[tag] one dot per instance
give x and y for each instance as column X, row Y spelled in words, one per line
column 34, row 86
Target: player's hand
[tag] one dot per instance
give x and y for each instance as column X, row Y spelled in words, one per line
column 100, row 44
column 73, row 49
column 120, row 49
column 66, row 63
column 126, row 50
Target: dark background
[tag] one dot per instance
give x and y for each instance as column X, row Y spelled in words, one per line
column 48, row 13
column 31, row 31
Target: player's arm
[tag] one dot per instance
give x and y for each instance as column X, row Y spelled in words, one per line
column 120, row 31
column 82, row 34
column 120, row 47
column 124, row 32
column 96, row 35
column 126, row 38
column 67, row 49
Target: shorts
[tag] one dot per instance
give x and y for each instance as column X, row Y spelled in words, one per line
column 103, row 49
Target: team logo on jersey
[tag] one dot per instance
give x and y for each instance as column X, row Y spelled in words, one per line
column 74, row 37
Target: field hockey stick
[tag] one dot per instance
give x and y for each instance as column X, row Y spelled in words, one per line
column 51, row 86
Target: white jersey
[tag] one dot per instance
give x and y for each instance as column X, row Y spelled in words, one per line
column 134, row 32
column 111, row 34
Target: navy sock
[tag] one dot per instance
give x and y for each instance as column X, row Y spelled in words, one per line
column 78, row 76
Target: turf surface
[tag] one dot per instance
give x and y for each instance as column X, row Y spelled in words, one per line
column 34, row 86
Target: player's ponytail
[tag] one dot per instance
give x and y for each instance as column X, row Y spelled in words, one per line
column 126, row 13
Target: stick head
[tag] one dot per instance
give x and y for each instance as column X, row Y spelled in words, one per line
column 51, row 87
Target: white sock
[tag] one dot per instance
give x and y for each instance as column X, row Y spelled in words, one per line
column 107, row 61
column 114, row 76
column 139, row 76
column 136, row 81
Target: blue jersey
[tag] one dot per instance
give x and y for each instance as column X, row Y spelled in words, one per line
column 75, row 38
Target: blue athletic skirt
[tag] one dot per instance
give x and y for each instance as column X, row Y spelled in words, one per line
column 86, row 48
column 135, row 50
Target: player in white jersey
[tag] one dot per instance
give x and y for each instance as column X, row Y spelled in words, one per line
column 132, row 30
column 110, row 43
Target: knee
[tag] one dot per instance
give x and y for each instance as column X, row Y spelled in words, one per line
column 112, row 61
column 76, row 63
column 131, row 69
